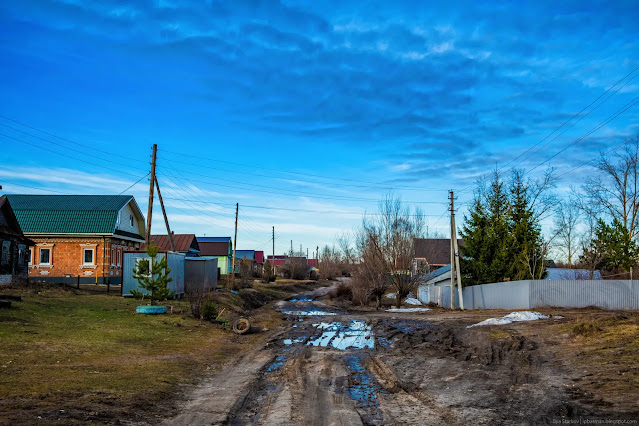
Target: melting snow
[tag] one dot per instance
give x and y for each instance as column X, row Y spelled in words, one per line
column 512, row 317
column 407, row 310
column 356, row 335
column 309, row 313
column 413, row 301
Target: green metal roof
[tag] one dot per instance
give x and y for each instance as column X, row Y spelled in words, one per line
column 67, row 214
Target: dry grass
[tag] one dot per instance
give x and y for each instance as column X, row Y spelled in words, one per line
column 93, row 357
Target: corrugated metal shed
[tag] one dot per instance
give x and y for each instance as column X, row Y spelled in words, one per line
column 175, row 262
column 200, row 274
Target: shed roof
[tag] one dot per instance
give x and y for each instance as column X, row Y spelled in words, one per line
column 214, row 248
column 183, row 242
column 214, row 239
column 68, row 214
column 436, row 251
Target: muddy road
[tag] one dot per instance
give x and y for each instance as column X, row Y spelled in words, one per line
column 333, row 367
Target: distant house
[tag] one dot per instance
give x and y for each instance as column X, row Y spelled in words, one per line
column 247, row 256
column 184, row 243
column 220, row 248
column 278, row 260
column 259, row 261
column 14, row 245
column 431, row 253
column 571, row 274
column 79, row 235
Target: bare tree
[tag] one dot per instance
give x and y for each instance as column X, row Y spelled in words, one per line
column 614, row 191
column 330, row 263
column 391, row 234
column 567, row 217
column 370, row 280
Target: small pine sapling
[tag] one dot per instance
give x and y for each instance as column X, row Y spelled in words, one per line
column 153, row 276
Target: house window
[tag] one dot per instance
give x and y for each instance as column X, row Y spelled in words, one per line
column 131, row 220
column 45, row 256
column 119, row 257
column 87, row 256
column 30, row 256
column 112, row 257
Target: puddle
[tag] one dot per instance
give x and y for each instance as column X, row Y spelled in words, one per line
column 301, row 299
column 277, row 363
column 363, row 387
column 309, row 313
column 292, row 341
column 356, row 335
column 384, row 342
column 410, row 326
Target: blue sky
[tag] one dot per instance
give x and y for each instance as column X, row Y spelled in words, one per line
column 314, row 109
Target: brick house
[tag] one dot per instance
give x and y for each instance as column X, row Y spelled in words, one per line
column 14, row 246
column 79, row 235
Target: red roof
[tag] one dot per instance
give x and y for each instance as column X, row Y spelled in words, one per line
column 183, row 242
column 259, row 257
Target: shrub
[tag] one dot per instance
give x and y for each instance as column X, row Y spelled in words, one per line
column 209, row 311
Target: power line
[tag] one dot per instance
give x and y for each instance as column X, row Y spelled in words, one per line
column 372, row 186
column 577, row 114
column 68, row 140
column 620, row 111
column 293, row 192
column 68, row 156
column 285, row 171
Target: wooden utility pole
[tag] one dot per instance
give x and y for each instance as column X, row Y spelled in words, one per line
column 273, row 263
column 301, row 252
column 237, row 208
column 454, row 264
column 166, row 219
column 149, row 215
column 291, row 248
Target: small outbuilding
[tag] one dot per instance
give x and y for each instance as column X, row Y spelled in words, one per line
column 175, row 262
column 14, row 245
column 200, row 274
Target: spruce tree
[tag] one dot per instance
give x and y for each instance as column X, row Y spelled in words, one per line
column 153, row 276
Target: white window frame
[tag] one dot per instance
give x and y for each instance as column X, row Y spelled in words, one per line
column 113, row 254
column 119, row 254
column 83, row 248
column 84, row 258
column 137, row 260
column 50, row 262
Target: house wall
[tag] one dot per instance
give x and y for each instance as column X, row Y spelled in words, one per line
column 67, row 259
column 124, row 224
column 223, row 263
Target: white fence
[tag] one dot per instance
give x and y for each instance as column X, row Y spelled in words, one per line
column 617, row 294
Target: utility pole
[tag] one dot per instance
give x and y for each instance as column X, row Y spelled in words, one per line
column 237, row 208
column 149, row 215
column 301, row 252
column 455, row 272
column 307, row 253
column 273, row 263
column 291, row 248
column 166, row 219
column 317, row 256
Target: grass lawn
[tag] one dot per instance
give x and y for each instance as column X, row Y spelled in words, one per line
column 69, row 356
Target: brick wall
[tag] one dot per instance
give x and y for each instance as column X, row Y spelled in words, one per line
column 66, row 258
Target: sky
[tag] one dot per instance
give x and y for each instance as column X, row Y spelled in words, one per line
column 307, row 113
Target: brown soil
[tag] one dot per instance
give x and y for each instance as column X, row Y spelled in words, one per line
column 424, row 369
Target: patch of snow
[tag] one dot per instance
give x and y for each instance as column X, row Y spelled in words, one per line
column 357, row 335
column 308, row 313
column 512, row 317
column 412, row 301
column 390, row 295
column 407, row 310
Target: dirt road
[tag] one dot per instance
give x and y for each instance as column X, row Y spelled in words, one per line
column 333, row 367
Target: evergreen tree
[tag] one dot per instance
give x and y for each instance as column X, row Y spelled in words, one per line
column 526, row 248
column 502, row 235
column 153, row 276
column 485, row 254
column 620, row 250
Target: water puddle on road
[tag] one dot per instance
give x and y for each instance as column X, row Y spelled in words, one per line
column 355, row 335
column 308, row 313
column 363, row 387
